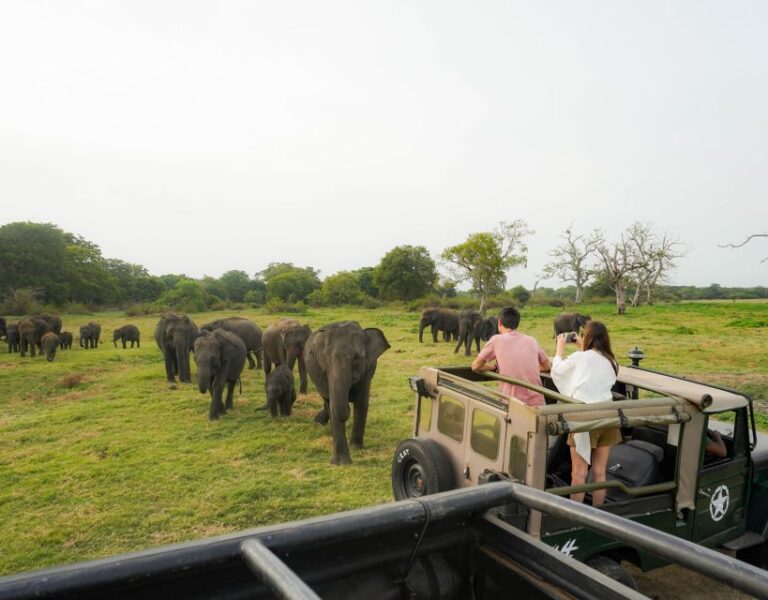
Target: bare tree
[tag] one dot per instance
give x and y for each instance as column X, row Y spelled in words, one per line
column 656, row 256
column 745, row 242
column 572, row 260
column 619, row 261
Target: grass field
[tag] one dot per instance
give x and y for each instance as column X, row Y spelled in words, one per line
column 98, row 456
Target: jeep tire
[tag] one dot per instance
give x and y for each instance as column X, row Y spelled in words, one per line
column 419, row 468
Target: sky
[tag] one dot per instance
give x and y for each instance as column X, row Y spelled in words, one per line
column 199, row 137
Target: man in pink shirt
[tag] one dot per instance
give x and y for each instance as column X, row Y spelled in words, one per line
column 517, row 355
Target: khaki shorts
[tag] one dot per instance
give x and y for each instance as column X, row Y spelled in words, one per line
column 600, row 437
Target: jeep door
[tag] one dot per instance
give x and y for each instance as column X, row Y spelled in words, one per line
column 722, row 487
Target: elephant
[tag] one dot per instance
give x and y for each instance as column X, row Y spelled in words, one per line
column 489, row 327
column 247, row 330
column 12, row 337
column 439, row 319
column 3, row 328
column 567, row 322
column 341, row 360
column 175, row 335
column 54, row 321
column 49, row 343
column 284, row 343
column 89, row 335
column 127, row 333
column 470, row 328
column 65, row 340
column 220, row 357
column 280, row 390
column 31, row 332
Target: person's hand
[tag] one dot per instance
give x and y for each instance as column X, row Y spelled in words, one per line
column 560, row 347
column 578, row 341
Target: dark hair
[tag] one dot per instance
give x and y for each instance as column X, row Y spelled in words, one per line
column 509, row 317
column 596, row 338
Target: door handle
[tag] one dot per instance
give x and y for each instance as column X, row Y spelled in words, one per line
column 706, row 494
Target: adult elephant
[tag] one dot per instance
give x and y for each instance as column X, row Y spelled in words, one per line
column 220, row 357
column 341, row 360
column 567, row 322
column 470, row 328
column 49, row 343
column 12, row 337
column 247, row 331
column 284, row 343
column 31, row 332
column 90, row 334
column 439, row 319
column 175, row 335
column 54, row 321
column 127, row 333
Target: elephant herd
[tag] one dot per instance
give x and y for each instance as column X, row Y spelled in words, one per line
column 469, row 326
column 466, row 327
column 42, row 333
column 339, row 358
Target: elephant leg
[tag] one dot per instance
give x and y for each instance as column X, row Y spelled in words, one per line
column 434, row 333
column 267, row 363
column 361, row 395
column 321, row 418
column 258, row 358
column 230, row 393
column 458, row 345
column 339, row 434
column 124, row 345
column 302, row 374
column 170, row 367
column 251, row 363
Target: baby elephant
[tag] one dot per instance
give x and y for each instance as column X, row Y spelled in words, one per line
column 220, row 357
column 127, row 333
column 49, row 343
column 65, row 340
column 281, row 393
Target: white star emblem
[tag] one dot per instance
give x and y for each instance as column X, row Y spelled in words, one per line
column 718, row 505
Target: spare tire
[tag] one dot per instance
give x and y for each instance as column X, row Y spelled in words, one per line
column 420, row 468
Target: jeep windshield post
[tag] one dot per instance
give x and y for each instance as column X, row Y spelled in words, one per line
column 466, row 431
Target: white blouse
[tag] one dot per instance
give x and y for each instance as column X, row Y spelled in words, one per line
column 586, row 376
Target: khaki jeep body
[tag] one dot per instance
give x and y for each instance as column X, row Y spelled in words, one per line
column 467, row 432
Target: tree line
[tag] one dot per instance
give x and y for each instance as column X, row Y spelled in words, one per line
column 44, row 265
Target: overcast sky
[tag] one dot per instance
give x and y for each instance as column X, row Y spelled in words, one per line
column 200, row 137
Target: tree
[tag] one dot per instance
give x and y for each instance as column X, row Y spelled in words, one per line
column 236, row 285
column 365, row 277
column 405, row 273
column 289, row 283
column 656, row 255
column 619, row 261
column 572, row 260
column 89, row 280
column 187, row 296
column 32, row 256
column 342, row 288
column 485, row 258
column 748, row 239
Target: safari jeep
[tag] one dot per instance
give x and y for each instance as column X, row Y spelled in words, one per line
column 466, row 432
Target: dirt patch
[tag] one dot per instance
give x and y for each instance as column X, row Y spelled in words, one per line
column 677, row 583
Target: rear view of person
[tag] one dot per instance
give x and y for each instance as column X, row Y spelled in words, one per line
column 517, row 355
column 588, row 375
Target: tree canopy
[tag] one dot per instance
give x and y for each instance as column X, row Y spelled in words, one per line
column 405, row 273
column 484, row 258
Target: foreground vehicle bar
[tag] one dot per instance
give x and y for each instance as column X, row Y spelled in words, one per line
column 273, row 573
column 711, row 563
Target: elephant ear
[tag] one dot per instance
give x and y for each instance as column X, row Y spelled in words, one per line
column 375, row 344
column 315, row 351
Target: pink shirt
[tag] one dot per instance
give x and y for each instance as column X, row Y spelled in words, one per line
column 517, row 355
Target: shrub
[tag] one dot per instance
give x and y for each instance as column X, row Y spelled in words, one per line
column 275, row 305
column 21, row 302
column 371, row 303
column 143, row 308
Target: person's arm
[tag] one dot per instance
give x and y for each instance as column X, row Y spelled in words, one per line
column 715, row 444
column 483, row 365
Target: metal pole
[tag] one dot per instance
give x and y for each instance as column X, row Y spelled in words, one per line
column 716, row 565
column 274, row 573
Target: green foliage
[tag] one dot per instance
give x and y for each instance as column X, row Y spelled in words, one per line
column 483, row 259
column 236, row 285
column 405, row 273
column 342, row 288
column 287, row 283
column 366, row 280
column 520, row 294
column 21, row 302
column 186, row 296
column 749, row 322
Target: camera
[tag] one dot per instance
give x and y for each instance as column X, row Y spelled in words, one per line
column 570, row 337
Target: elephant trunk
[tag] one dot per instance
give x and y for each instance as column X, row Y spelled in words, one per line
column 339, row 385
column 181, row 348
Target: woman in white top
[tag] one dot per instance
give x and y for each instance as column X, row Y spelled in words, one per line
column 588, row 375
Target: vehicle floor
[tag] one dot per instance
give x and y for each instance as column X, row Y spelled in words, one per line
column 674, row 582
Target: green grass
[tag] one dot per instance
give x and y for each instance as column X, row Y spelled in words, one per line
column 98, row 456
